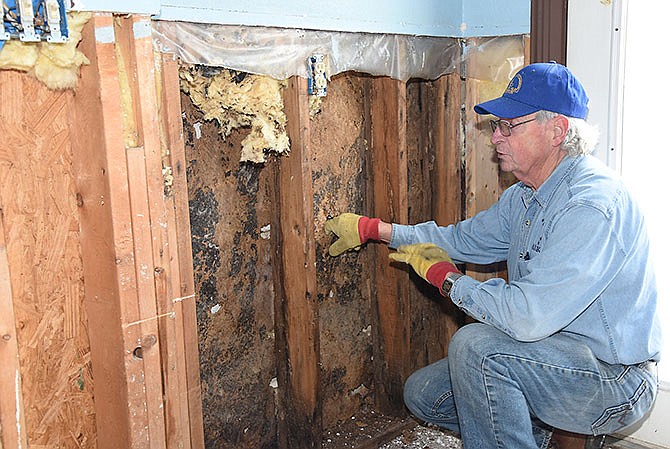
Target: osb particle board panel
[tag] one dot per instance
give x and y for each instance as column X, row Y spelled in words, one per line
column 40, row 223
column 229, row 206
column 339, row 146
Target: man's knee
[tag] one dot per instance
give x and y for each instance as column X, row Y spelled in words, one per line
column 412, row 392
column 426, row 388
column 418, row 390
column 472, row 345
column 474, row 339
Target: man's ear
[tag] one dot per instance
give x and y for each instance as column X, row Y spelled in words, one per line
column 560, row 129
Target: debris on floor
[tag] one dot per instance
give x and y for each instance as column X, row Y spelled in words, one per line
column 422, row 437
column 366, row 430
column 372, row 430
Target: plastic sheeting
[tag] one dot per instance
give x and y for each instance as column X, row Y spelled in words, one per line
column 283, row 52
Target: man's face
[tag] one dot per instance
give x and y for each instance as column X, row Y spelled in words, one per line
column 527, row 150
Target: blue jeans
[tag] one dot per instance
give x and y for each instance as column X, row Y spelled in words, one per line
column 498, row 392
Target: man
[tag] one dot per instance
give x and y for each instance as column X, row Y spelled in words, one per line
column 571, row 340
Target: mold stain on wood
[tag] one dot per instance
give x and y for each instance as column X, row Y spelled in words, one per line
column 433, row 318
column 228, row 203
column 230, row 209
column 339, row 146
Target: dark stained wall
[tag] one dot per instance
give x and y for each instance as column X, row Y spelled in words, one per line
column 229, row 205
column 339, row 145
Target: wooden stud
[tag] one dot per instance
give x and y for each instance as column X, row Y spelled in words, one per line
column 168, row 288
column 139, row 135
column 526, row 49
column 447, row 190
column 135, row 50
column 294, row 268
column 425, row 337
column 129, row 170
column 152, row 341
column 136, row 30
column 107, row 243
column 482, row 169
column 148, row 312
column 391, row 300
column 434, row 159
column 182, row 265
column 448, row 175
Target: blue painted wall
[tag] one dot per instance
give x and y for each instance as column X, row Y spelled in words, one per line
column 122, row 6
column 454, row 18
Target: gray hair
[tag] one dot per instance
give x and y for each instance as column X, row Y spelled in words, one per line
column 581, row 138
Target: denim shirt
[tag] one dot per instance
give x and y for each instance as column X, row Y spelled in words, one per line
column 577, row 255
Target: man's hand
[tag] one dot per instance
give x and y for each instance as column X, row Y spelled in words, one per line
column 353, row 231
column 428, row 260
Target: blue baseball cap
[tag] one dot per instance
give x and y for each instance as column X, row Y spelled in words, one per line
column 547, row 86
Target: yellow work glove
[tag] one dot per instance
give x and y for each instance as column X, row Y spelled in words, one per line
column 353, row 231
column 428, row 260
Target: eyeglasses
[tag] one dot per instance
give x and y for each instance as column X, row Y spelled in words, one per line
column 506, row 127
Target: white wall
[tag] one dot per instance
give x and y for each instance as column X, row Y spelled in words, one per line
column 613, row 47
column 121, row 6
column 594, row 33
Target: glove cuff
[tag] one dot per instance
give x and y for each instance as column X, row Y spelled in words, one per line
column 368, row 229
column 437, row 272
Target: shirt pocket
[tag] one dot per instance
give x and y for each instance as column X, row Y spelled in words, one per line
column 522, row 266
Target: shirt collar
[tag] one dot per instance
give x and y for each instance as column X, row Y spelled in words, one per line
column 551, row 184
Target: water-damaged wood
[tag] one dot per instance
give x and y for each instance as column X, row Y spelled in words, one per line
column 388, row 118
column 229, row 206
column 340, row 146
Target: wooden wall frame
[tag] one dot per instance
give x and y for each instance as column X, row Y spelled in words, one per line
column 548, row 31
column 138, row 285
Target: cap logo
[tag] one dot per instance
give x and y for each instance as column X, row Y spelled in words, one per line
column 514, row 85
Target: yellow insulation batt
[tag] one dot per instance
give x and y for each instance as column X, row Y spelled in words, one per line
column 237, row 100
column 56, row 65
